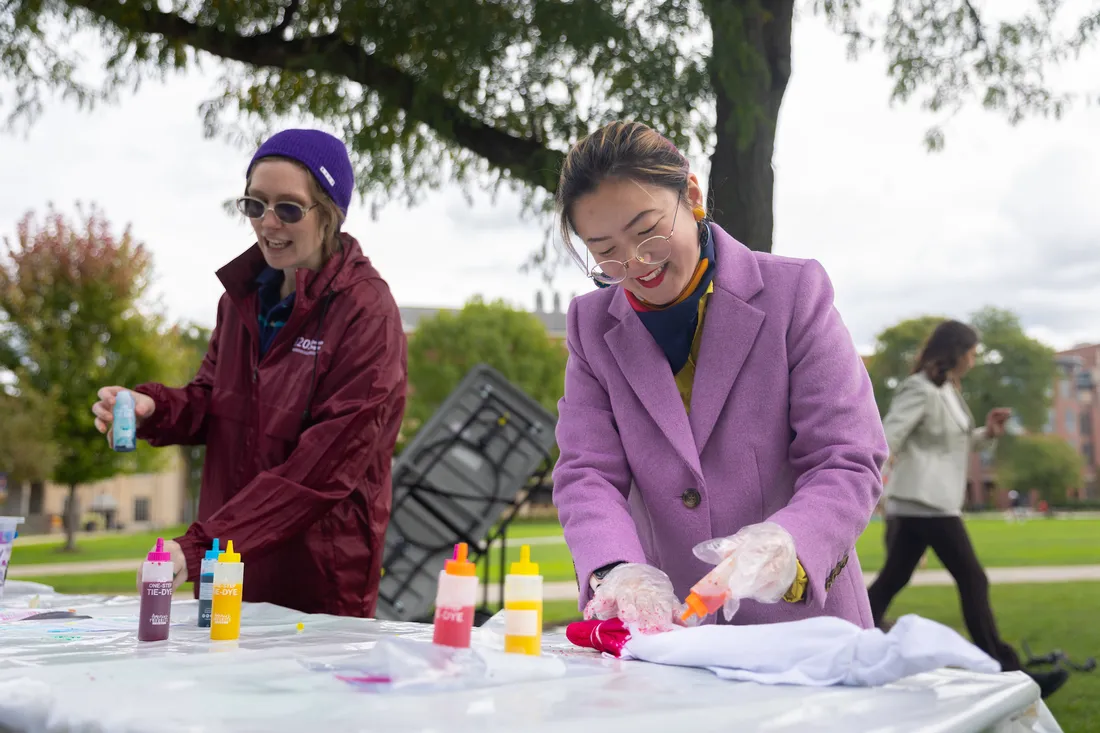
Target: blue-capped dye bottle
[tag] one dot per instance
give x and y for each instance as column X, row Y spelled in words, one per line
column 124, row 436
column 206, row 585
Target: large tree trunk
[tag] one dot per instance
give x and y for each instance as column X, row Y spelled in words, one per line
column 73, row 515
column 741, row 185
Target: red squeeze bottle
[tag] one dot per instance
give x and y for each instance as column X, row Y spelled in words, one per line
column 454, row 601
column 155, row 612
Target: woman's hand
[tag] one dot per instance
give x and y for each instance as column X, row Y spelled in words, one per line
column 995, row 421
column 179, row 564
column 765, row 563
column 641, row 596
column 104, row 409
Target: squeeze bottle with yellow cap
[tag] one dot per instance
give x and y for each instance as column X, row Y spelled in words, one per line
column 523, row 606
column 710, row 593
column 225, row 613
column 454, row 601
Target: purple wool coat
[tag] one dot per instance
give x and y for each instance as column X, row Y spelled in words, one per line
column 783, row 427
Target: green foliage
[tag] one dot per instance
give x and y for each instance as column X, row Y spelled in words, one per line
column 443, row 349
column 896, row 350
column 70, row 299
column 1013, row 369
column 193, row 341
column 26, row 453
column 1044, row 462
column 498, row 89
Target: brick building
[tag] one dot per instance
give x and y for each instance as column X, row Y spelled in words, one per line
column 1075, row 410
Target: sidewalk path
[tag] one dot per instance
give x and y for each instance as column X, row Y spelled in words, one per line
column 567, row 590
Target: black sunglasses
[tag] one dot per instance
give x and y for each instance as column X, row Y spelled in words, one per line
column 287, row 212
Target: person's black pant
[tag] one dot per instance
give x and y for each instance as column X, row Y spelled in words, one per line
column 907, row 538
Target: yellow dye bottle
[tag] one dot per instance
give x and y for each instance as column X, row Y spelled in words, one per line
column 225, row 613
column 523, row 606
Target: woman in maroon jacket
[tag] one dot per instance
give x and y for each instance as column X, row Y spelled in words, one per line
column 299, row 398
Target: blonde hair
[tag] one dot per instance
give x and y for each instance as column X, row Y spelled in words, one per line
column 331, row 218
column 619, row 150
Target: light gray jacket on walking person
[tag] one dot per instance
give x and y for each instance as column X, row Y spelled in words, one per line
column 931, row 433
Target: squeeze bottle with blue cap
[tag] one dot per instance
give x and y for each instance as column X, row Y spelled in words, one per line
column 124, row 425
column 523, row 606
column 206, row 584
column 225, row 612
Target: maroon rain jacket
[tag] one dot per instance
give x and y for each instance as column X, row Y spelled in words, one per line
column 298, row 443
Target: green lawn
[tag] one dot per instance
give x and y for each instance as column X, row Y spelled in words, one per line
column 93, row 549
column 1048, row 617
column 999, row 544
column 120, row 583
column 1002, row 544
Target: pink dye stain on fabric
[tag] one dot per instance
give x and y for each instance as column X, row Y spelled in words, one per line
column 610, row 635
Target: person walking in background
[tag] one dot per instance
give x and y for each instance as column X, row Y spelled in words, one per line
column 299, row 398
column 931, row 433
column 715, row 405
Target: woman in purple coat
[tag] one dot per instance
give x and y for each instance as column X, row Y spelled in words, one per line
column 714, row 405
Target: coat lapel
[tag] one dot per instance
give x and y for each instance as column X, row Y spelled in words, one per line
column 729, row 332
column 644, row 365
column 730, row 327
column 953, row 411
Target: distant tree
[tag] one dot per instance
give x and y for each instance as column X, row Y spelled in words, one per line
column 193, row 340
column 26, row 450
column 1013, row 369
column 896, row 350
column 71, row 296
column 1043, row 462
column 444, row 348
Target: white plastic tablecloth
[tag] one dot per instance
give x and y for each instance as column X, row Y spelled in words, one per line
column 95, row 676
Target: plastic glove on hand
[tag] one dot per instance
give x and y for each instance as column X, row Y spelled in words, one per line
column 765, row 563
column 179, row 565
column 641, row 596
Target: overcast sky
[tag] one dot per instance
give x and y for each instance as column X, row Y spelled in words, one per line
column 1004, row 216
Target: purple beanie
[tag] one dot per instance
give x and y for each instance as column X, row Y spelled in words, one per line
column 325, row 156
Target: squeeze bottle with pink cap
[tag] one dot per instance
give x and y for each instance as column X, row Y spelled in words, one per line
column 156, row 595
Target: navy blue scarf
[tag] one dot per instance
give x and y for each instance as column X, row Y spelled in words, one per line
column 673, row 327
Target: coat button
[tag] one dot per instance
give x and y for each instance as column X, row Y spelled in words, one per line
column 691, row 498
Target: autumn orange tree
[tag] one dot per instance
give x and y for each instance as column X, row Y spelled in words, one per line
column 73, row 318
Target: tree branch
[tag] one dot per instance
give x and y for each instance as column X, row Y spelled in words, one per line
column 979, row 34
column 521, row 157
column 289, row 12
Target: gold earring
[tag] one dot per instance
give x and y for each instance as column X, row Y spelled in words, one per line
column 700, row 213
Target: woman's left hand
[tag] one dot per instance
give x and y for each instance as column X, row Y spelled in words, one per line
column 765, row 567
column 179, row 564
column 995, row 421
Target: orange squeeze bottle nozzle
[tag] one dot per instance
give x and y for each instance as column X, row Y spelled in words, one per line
column 708, row 595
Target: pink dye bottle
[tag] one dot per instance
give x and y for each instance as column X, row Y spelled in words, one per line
column 454, row 601
column 155, row 614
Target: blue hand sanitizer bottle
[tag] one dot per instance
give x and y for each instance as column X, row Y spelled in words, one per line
column 125, row 423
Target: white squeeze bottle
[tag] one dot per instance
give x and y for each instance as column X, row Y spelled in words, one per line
column 523, row 606
column 155, row 611
column 455, row 599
